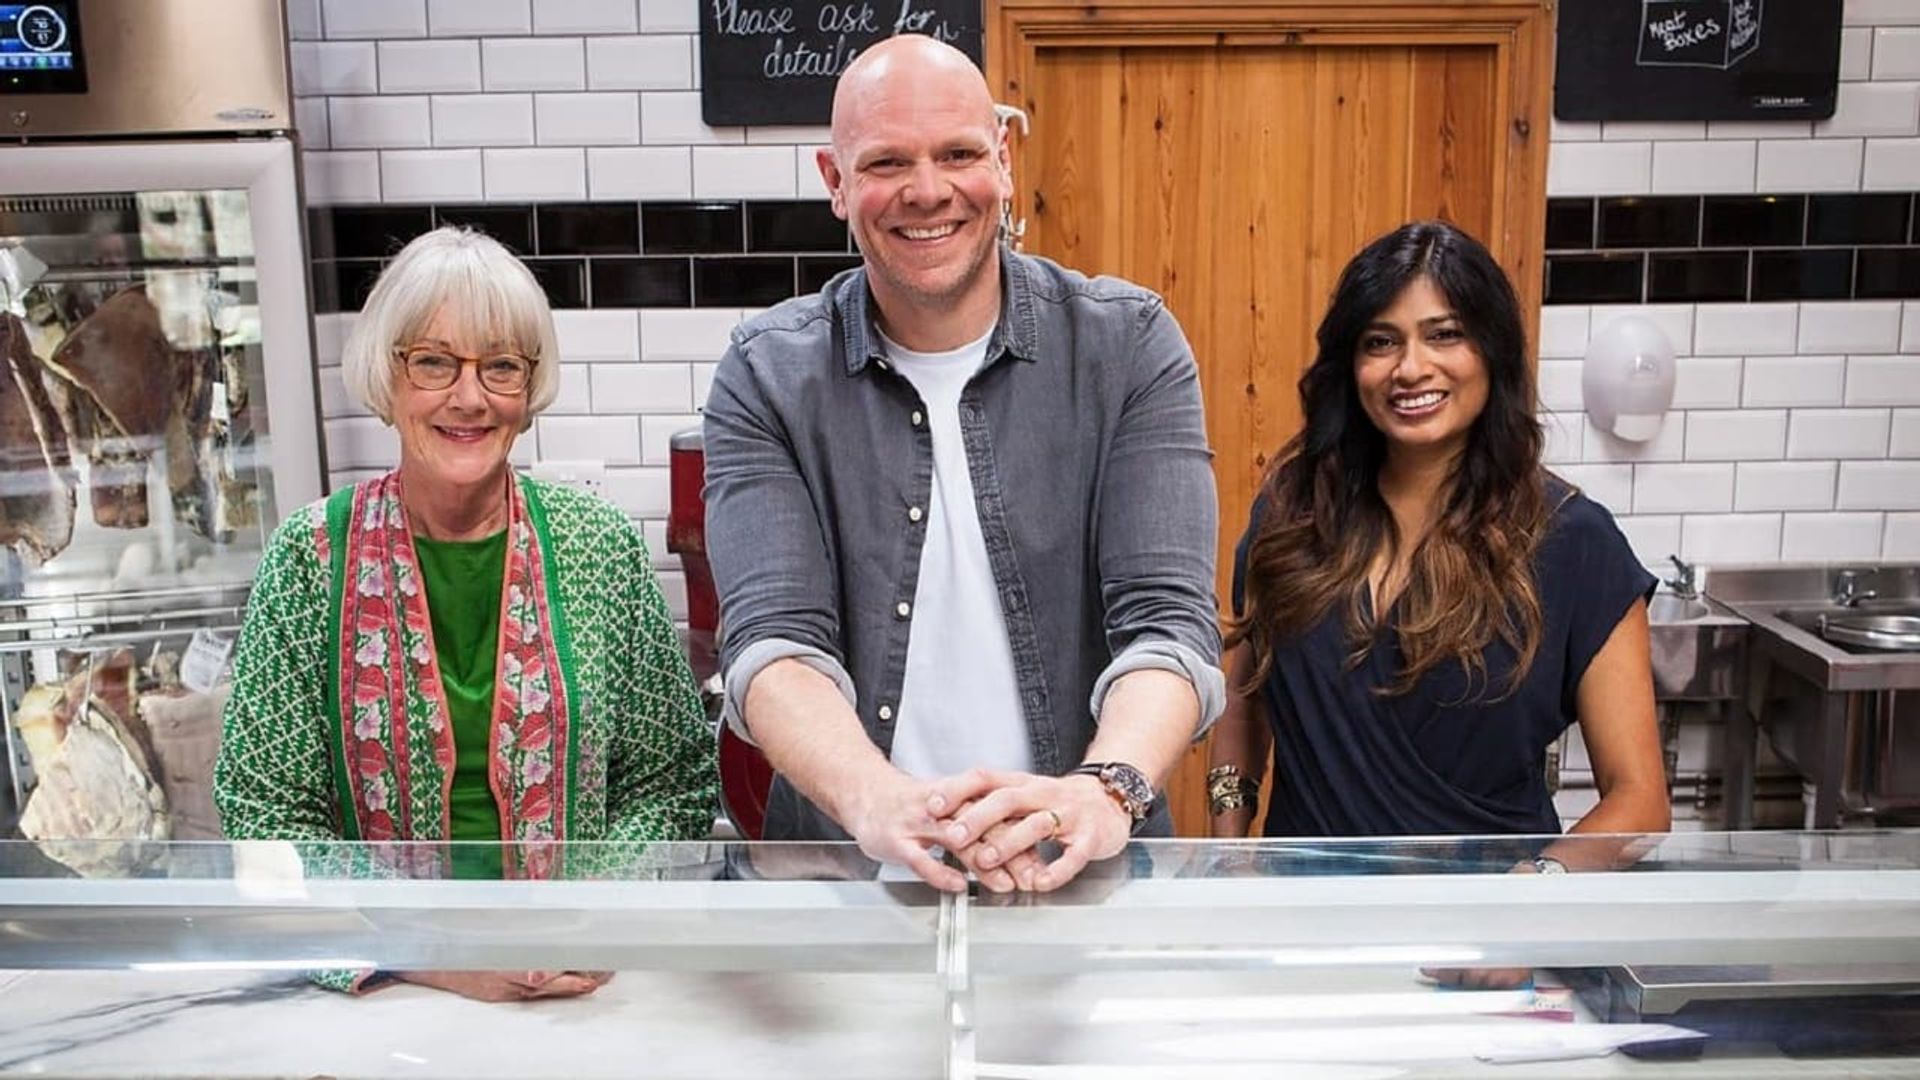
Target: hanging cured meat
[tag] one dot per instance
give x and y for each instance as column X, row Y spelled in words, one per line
column 36, row 481
column 124, row 389
column 97, row 782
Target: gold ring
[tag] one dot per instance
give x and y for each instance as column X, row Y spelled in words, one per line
column 1057, row 824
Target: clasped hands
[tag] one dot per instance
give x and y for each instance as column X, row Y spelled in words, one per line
column 993, row 822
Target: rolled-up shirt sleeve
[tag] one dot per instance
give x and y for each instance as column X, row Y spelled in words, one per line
column 1161, row 654
column 1159, row 522
column 770, row 563
column 755, row 658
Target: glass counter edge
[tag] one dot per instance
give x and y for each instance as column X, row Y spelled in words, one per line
column 1882, row 849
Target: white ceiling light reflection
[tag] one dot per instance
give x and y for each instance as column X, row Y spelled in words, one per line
column 1398, row 1005
column 325, row 963
column 1430, row 955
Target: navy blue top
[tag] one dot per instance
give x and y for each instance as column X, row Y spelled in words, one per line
column 1350, row 762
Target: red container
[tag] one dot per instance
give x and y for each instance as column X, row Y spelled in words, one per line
column 687, row 538
column 745, row 776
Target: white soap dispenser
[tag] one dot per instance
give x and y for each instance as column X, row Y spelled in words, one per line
column 1626, row 380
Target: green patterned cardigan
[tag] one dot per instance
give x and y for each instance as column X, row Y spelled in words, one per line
column 274, row 776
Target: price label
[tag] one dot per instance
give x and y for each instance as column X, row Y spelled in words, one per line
column 206, row 659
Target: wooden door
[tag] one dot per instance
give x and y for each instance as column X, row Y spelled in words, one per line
column 1233, row 157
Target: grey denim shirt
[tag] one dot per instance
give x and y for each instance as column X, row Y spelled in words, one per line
column 1091, row 475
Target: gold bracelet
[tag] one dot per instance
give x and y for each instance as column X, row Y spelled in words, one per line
column 1224, row 781
column 1220, row 804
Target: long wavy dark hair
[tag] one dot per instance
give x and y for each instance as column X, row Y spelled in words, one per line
column 1470, row 578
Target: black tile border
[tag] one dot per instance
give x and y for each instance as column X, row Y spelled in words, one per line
column 672, row 254
column 1788, row 246
column 792, row 246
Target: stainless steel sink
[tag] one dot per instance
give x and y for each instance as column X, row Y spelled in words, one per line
column 1847, row 716
column 1698, row 647
column 1871, row 627
column 1785, row 604
column 1667, row 609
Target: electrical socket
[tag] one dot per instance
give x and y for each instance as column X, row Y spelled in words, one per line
column 591, row 475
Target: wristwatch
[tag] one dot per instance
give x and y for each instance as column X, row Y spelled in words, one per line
column 1128, row 786
column 1547, row 864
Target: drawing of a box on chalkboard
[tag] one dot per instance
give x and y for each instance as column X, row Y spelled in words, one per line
column 1698, row 33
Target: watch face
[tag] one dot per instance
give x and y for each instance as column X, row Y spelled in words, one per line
column 1131, row 784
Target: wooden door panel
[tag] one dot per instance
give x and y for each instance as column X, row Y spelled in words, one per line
column 1234, row 157
column 1454, row 165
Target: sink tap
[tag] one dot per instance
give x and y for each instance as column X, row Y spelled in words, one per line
column 1683, row 583
column 1847, row 591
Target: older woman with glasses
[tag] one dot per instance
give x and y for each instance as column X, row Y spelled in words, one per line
column 452, row 651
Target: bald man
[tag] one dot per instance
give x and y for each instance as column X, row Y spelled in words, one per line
column 961, row 516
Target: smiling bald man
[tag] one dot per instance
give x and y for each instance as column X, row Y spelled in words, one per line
column 961, row 516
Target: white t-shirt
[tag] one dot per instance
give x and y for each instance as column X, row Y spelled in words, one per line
column 960, row 702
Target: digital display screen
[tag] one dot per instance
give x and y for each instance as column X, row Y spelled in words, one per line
column 40, row 47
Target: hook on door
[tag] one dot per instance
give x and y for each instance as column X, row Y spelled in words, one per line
column 1010, row 230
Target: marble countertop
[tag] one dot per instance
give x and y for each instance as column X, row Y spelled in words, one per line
column 1344, row 1024
column 128, row 1025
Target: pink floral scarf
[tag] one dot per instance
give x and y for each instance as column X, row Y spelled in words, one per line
column 395, row 741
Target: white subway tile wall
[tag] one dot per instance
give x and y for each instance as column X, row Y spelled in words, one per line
column 474, row 18
column 1832, row 536
column 1856, row 53
column 1736, row 435
column 648, row 62
column 374, row 18
column 431, row 175
column 535, row 175
column 1849, row 327
column 1892, row 164
column 1689, row 168
column 342, row 176
column 1874, row 108
column 744, row 172
column 595, row 119
column 1902, row 538
column 1906, row 434
column 1783, row 485
column 533, row 64
column 363, row 122
column 1828, row 164
column 481, row 120
column 1793, row 380
column 1796, row 426
column 1837, row 433
column 585, row 17
column 1584, row 168
column 429, row 67
column 1761, row 433
column 1896, row 52
column 1882, row 485
column 639, row 172
column 1707, row 382
column 334, row 67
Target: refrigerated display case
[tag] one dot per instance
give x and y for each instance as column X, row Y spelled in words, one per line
column 158, row 414
column 1176, row 958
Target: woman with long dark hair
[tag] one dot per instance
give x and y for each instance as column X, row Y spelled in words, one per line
column 1420, row 608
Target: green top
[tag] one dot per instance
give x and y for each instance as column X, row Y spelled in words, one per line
column 462, row 578
column 644, row 771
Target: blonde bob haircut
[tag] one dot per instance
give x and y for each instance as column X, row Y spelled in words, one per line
column 499, row 305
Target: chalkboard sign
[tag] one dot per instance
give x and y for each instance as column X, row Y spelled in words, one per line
column 1697, row 60
column 775, row 61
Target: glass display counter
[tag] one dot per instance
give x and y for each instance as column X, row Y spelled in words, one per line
column 1700, row 955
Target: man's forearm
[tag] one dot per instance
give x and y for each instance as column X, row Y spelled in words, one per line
column 1147, row 720
column 809, row 733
